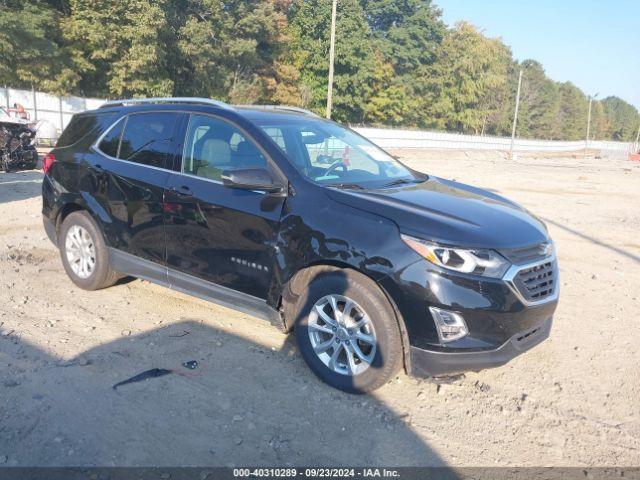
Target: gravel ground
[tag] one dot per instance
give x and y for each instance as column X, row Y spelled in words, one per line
column 572, row 401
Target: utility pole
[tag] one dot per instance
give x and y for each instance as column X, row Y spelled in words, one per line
column 515, row 115
column 332, row 51
column 638, row 139
column 586, row 143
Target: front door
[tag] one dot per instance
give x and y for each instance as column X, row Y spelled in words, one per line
column 218, row 234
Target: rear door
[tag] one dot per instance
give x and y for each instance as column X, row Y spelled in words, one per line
column 130, row 167
column 214, row 233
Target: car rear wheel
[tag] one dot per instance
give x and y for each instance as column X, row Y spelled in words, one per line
column 348, row 332
column 85, row 256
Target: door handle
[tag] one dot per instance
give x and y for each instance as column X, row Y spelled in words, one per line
column 182, row 190
column 98, row 168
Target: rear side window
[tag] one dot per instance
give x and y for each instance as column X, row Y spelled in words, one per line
column 111, row 141
column 79, row 127
column 147, row 138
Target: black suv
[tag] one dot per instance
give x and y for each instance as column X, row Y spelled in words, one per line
column 279, row 213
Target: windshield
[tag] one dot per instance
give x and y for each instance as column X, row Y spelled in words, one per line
column 329, row 154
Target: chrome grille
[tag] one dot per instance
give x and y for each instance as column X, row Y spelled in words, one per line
column 538, row 282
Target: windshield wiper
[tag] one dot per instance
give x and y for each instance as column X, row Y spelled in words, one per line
column 353, row 186
column 404, row 181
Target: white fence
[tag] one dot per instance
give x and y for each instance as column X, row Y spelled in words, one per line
column 418, row 139
column 57, row 111
column 42, row 106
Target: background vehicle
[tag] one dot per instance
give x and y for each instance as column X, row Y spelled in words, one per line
column 18, row 150
column 276, row 212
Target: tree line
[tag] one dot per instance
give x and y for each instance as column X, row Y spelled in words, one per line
column 397, row 63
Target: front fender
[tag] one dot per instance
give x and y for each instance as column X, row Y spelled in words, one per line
column 315, row 230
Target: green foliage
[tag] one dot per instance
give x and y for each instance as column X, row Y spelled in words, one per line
column 30, row 51
column 396, row 62
column 465, row 88
column 119, row 48
column 624, row 119
column 572, row 113
column 539, row 103
column 408, row 32
column 310, row 26
column 230, row 50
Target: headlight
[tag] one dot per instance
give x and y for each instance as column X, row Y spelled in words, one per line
column 478, row 262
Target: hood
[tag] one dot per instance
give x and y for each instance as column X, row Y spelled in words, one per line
column 450, row 213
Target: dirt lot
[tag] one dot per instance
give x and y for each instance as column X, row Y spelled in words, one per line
column 571, row 401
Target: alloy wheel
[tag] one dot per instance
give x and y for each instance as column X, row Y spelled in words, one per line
column 80, row 251
column 342, row 335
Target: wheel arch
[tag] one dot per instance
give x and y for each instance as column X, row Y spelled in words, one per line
column 65, row 211
column 83, row 202
column 293, row 288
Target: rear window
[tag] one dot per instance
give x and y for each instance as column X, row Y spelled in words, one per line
column 80, row 126
column 147, row 138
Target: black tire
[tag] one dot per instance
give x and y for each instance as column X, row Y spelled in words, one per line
column 102, row 275
column 33, row 165
column 388, row 356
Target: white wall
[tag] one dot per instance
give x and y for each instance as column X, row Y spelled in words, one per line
column 43, row 106
column 58, row 111
column 392, row 138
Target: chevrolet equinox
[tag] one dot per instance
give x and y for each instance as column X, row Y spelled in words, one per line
column 278, row 213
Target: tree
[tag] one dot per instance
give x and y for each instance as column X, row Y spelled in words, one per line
column 354, row 60
column 408, row 32
column 466, row 86
column 127, row 55
column 230, row 50
column 624, row 119
column 30, row 55
column 396, row 62
column 600, row 122
column 387, row 104
column 539, row 103
column 572, row 114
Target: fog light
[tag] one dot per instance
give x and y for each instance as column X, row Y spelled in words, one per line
column 450, row 325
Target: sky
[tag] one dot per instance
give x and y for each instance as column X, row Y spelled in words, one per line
column 593, row 44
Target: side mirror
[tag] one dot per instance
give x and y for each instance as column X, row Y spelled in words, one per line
column 251, row 179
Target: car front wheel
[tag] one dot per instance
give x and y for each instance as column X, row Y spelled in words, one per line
column 348, row 332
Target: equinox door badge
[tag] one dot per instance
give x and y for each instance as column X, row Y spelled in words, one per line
column 248, row 264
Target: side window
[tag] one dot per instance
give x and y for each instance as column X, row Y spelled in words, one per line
column 111, row 141
column 212, row 146
column 277, row 136
column 147, row 138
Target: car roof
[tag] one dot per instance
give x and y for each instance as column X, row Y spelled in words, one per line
column 251, row 112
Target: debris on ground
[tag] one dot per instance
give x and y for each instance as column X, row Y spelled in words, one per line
column 191, row 365
column 183, row 334
column 147, row 374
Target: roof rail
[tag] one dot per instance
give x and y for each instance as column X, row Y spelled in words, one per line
column 279, row 107
column 186, row 100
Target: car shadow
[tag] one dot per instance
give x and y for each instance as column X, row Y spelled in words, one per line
column 244, row 404
column 595, row 241
column 20, row 185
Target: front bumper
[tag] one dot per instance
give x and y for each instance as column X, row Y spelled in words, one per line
column 429, row 363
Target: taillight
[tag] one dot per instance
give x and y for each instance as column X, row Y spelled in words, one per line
column 47, row 162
